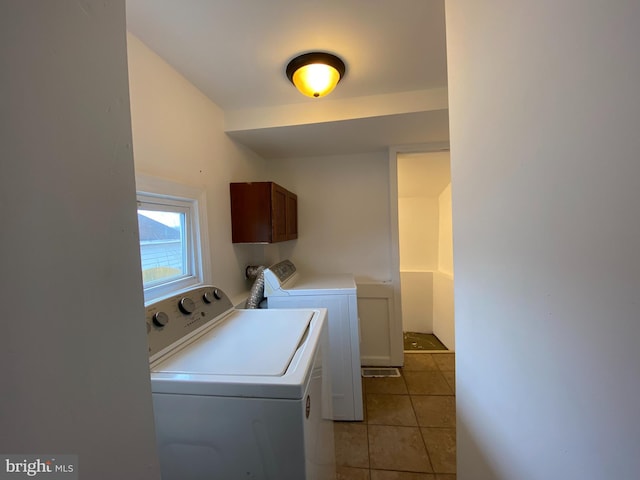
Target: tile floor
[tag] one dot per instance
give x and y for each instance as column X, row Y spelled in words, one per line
column 409, row 428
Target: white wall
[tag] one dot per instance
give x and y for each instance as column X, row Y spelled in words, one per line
column 418, row 236
column 443, row 304
column 445, row 232
column 178, row 134
column 443, row 309
column 417, row 301
column 418, row 225
column 343, row 214
column 422, row 178
column 75, row 376
column 544, row 111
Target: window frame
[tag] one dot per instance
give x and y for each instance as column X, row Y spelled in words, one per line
column 156, row 192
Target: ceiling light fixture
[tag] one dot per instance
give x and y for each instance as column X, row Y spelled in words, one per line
column 315, row 74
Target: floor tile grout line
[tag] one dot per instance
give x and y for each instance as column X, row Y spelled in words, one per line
column 433, row 470
column 366, row 429
column 425, row 442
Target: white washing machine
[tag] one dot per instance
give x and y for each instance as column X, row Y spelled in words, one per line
column 239, row 394
column 284, row 287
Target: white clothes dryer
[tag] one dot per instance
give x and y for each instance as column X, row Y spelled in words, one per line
column 239, row 394
column 284, row 287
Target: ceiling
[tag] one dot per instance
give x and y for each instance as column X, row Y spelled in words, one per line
column 235, row 51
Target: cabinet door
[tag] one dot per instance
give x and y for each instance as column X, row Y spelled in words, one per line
column 279, row 213
column 292, row 216
column 251, row 212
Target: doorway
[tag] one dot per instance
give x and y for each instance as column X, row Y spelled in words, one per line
column 425, row 250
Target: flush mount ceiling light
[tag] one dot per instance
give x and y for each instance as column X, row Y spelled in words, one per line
column 315, row 74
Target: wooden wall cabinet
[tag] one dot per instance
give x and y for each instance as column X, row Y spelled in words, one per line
column 263, row 212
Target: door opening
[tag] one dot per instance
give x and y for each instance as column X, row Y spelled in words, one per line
column 425, row 250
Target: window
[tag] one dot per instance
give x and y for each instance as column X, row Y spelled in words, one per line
column 172, row 230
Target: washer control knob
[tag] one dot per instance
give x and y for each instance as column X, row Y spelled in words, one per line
column 217, row 294
column 209, row 296
column 186, row 305
column 160, row 319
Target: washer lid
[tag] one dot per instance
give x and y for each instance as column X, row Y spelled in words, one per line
column 247, row 343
